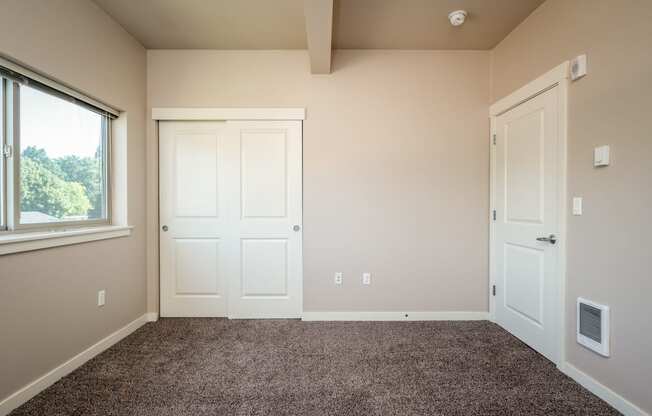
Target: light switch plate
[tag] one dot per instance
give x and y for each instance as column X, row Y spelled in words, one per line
column 577, row 205
column 101, row 297
column 601, row 156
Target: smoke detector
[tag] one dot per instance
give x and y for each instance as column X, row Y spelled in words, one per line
column 457, row 17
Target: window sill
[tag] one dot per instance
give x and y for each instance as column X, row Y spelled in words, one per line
column 19, row 242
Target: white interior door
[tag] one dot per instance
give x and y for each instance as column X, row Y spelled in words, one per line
column 265, row 281
column 193, row 217
column 526, row 203
column 230, row 210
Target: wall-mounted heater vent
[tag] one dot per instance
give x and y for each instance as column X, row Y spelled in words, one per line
column 593, row 326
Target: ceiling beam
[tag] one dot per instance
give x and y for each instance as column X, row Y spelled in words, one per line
column 319, row 31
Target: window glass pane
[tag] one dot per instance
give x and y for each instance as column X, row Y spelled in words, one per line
column 61, row 160
column 3, row 175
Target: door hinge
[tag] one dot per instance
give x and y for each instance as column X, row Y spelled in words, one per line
column 7, row 151
column 494, row 139
column 493, row 290
column 493, row 214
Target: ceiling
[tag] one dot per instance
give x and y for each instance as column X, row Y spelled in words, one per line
column 211, row 24
column 423, row 24
column 280, row 24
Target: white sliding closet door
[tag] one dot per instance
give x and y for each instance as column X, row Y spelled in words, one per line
column 265, row 195
column 230, row 213
column 193, row 217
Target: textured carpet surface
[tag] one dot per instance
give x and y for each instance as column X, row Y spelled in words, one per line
column 221, row 367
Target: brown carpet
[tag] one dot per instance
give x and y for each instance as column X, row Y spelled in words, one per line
column 222, row 367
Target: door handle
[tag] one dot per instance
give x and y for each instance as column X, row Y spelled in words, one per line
column 550, row 239
column 296, row 228
column 165, row 228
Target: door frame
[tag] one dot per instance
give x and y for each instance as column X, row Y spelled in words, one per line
column 557, row 77
column 208, row 114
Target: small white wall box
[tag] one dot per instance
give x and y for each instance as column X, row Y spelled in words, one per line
column 578, row 67
column 601, row 156
column 593, row 326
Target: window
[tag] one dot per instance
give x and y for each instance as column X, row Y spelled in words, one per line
column 55, row 166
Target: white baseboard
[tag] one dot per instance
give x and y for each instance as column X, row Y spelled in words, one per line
column 32, row 389
column 617, row 401
column 152, row 316
column 396, row 316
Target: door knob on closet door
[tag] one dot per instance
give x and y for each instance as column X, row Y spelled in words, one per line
column 296, row 228
column 164, row 228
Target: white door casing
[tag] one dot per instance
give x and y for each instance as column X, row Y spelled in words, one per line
column 231, row 204
column 526, row 200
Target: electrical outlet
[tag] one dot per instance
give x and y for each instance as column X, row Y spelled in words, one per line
column 366, row 278
column 338, row 278
column 101, row 297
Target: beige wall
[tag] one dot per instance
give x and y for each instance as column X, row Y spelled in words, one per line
column 609, row 246
column 395, row 166
column 48, row 298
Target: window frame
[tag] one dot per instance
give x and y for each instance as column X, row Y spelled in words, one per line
column 10, row 164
